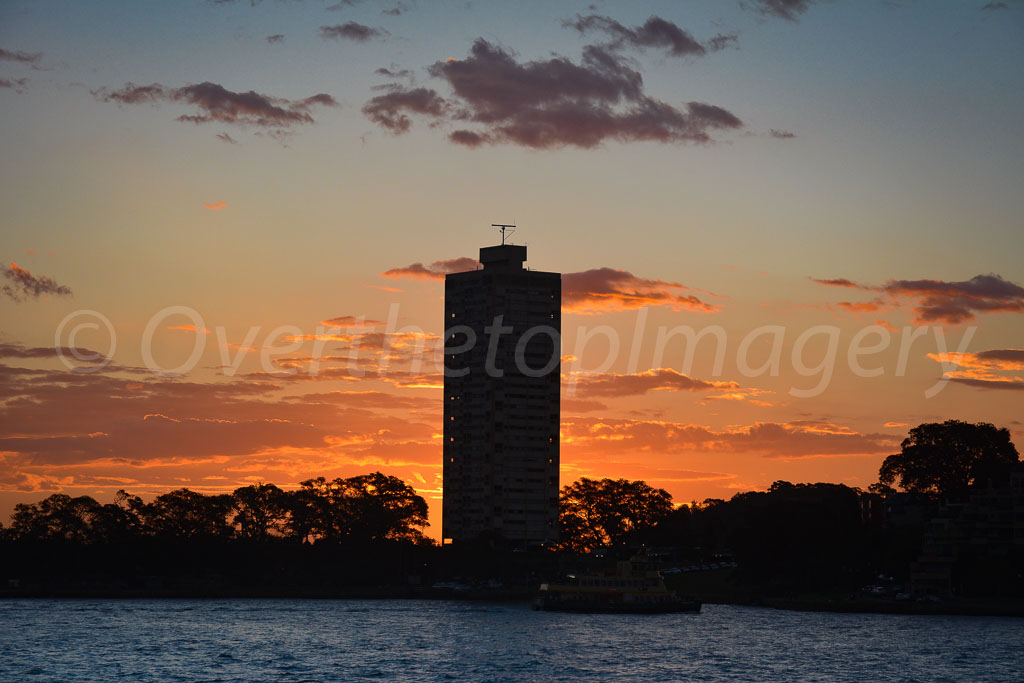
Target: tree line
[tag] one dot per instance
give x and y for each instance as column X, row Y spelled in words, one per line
column 365, row 508
column 795, row 537
column 937, row 460
column 789, row 537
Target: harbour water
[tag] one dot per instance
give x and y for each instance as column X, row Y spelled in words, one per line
column 314, row 640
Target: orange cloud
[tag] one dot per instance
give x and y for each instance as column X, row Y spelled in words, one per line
column 993, row 369
column 939, row 300
column 188, row 328
column 740, row 394
column 592, row 291
column 581, row 405
column 216, row 206
column 1003, row 360
column 654, row 379
column 367, row 399
column 860, row 307
column 65, row 419
column 351, row 321
column 771, row 439
column 435, row 271
column 985, row 380
column 607, row 289
column 374, row 340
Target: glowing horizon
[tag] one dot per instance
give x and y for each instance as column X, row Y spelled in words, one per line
column 786, row 237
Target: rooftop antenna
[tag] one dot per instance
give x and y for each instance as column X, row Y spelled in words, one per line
column 503, row 227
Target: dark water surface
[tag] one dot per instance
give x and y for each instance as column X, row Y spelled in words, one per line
column 315, row 640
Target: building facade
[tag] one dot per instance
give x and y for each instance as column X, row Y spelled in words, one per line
column 501, row 401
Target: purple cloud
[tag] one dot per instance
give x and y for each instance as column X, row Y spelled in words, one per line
column 351, row 30
column 789, row 10
column 389, row 110
column 215, row 103
column 655, row 32
column 549, row 103
column 24, row 285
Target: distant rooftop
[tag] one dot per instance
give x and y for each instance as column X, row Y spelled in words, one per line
column 503, row 257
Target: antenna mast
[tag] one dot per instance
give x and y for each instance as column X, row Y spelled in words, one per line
column 503, row 227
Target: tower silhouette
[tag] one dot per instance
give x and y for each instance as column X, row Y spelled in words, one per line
column 501, row 401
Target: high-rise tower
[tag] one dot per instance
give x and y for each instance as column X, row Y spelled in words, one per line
column 501, row 401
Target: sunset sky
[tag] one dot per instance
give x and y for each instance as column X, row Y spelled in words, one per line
column 222, row 183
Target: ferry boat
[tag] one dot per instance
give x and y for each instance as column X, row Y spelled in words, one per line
column 634, row 586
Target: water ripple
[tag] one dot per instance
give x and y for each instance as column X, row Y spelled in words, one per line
column 314, row 640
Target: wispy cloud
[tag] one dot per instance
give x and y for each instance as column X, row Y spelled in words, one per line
column 655, row 32
column 957, row 302
column 837, row 282
column 390, row 109
column 435, row 271
column 393, row 72
column 215, row 103
column 952, row 302
column 188, row 328
column 771, row 439
column 993, row 369
column 587, row 292
column 612, row 384
column 604, row 289
column 65, row 419
column 32, row 59
column 78, row 352
column 22, row 285
column 18, row 85
column 789, row 10
column 215, row 206
column 351, row 321
column 352, row 30
column 581, row 405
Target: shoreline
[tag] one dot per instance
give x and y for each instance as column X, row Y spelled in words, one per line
column 953, row 607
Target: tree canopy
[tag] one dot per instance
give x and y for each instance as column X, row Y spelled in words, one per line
column 368, row 507
column 597, row 513
column 364, row 508
column 949, row 457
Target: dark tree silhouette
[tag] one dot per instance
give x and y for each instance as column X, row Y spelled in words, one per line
column 78, row 520
column 611, row 512
column 327, row 514
column 260, row 511
column 798, row 536
column 364, row 509
column 188, row 514
column 368, row 507
column 387, row 508
column 119, row 521
column 304, row 511
column 59, row 517
column 947, row 458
